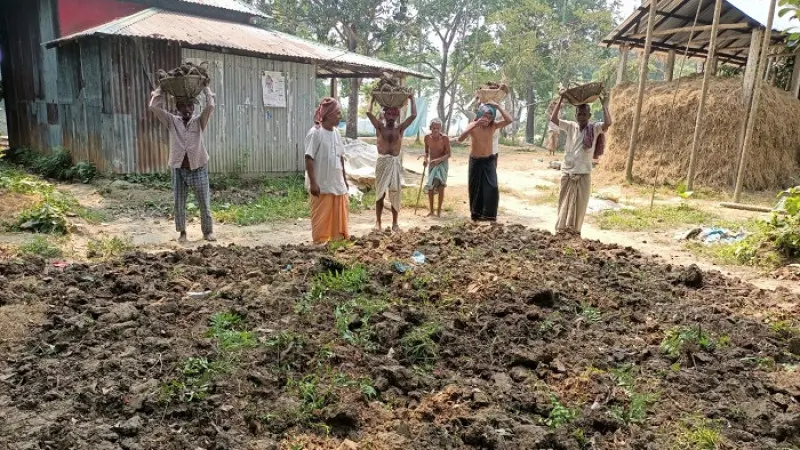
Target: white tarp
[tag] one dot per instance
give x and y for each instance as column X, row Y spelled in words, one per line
column 360, row 160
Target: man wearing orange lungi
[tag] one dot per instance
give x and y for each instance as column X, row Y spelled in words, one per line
column 325, row 176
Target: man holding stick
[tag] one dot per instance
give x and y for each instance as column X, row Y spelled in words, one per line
column 437, row 154
column 584, row 140
column 484, row 193
column 389, row 168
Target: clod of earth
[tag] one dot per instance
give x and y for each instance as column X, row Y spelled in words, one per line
column 562, row 344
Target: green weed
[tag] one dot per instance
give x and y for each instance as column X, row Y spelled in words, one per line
column 281, row 198
column 106, row 247
column 700, row 434
column 194, row 383
column 590, row 314
column 342, row 244
column 559, row 414
column 46, row 217
column 40, row 246
column 314, row 395
column 679, row 339
column 784, row 328
column 157, row 180
column 661, row 217
column 357, row 311
column 225, row 328
column 351, row 280
column 635, row 411
column 420, row 344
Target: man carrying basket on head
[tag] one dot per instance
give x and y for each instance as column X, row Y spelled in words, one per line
column 188, row 157
column 585, row 142
column 389, row 169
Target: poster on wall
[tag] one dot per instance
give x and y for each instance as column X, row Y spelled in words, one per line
column 274, row 87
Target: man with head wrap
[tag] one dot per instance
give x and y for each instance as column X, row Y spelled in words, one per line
column 585, row 142
column 437, row 154
column 325, row 175
column 389, row 169
column 188, row 157
column 484, row 194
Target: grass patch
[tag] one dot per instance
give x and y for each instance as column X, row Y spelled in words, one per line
column 699, row 434
column 40, row 246
column 686, row 339
column 352, row 321
column 281, row 198
column 158, row 180
column 660, row 217
column 420, row 345
column 193, row 383
column 350, row 280
column 227, row 329
column 638, row 405
column 108, row 247
column 549, row 198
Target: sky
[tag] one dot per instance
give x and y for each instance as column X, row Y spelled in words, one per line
column 756, row 8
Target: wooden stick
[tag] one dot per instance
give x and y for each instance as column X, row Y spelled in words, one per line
column 698, row 125
column 419, row 194
column 622, row 69
column 637, row 116
column 745, row 207
column 669, row 71
column 751, row 120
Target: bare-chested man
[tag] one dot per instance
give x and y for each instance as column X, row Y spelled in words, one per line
column 437, row 154
column 484, row 194
column 389, row 169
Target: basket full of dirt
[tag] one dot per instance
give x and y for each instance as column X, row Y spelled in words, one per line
column 492, row 92
column 389, row 93
column 583, row 94
column 186, row 81
column 665, row 135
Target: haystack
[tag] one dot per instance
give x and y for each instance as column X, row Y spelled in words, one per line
column 665, row 135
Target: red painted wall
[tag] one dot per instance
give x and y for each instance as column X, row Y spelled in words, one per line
column 79, row 15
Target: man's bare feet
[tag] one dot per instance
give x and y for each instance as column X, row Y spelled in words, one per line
column 395, row 228
column 210, row 237
column 377, row 226
column 430, row 214
column 182, row 239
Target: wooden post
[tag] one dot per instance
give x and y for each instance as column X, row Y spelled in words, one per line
column 622, row 72
column 714, row 65
column 669, row 71
column 751, row 119
column 698, row 125
column 796, row 78
column 637, row 116
column 749, row 83
column 334, row 88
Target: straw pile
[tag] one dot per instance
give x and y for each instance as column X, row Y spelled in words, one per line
column 665, row 135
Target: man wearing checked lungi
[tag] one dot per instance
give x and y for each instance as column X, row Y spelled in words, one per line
column 188, row 158
column 389, row 168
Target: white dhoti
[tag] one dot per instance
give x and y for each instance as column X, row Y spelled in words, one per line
column 389, row 180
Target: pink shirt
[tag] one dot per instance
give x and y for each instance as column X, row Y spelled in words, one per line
column 185, row 139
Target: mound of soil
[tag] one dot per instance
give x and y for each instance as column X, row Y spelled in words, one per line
column 506, row 338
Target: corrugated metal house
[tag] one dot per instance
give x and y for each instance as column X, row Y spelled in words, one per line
column 87, row 89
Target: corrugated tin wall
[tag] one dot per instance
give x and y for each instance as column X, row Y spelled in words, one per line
column 91, row 97
column 243, row 133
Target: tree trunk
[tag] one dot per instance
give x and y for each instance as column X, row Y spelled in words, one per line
column 530, row 125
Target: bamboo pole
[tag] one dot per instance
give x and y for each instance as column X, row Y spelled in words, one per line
column 751, row 120
column 698, row 125
column 622, row 72
column 637, row 116
column 669, row 71
column 796, row 78
column 334, row 90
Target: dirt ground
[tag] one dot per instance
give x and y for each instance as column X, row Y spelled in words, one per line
column 505, row 338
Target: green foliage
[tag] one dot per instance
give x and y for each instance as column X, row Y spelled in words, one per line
column 791, row 8
column 57, row 165
column 314, row 394
column 40, row 246
column 590, row 314
column 680, row 339
column 660, row 217
column 194, row 382
column 46, row 217
column 559, row 414
column 108, row 247
column 635, row 410
column 226, row 329
column 351, row 280
column 783, row 230
column 359, row 310
column 280, row 198
column 699, row 434
column 420, row 345
column 157, row 180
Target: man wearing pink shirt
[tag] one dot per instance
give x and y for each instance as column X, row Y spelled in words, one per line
column 188, row 158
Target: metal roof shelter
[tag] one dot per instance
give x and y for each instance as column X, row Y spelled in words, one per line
column 242, row 39
column 674, row 20
column 230, row 5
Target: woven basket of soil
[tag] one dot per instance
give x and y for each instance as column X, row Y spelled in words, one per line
column 389, row 93
column 184, row 87
column 584, row 94
column 492, row 92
